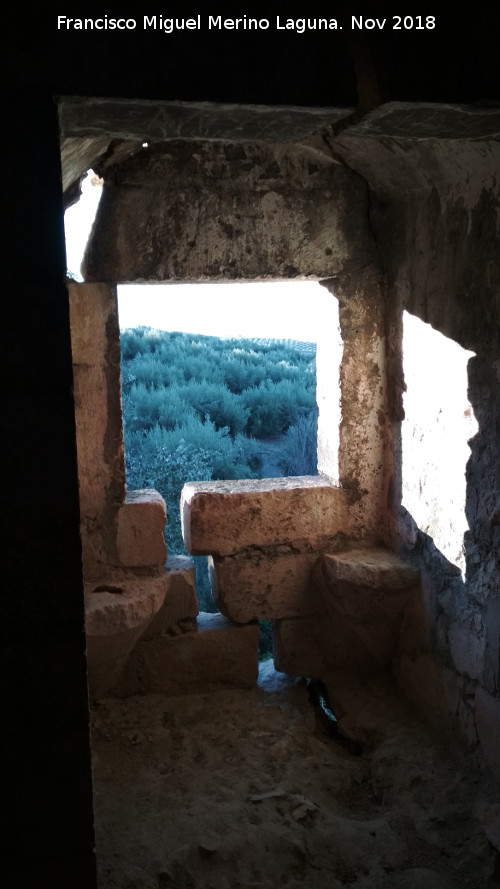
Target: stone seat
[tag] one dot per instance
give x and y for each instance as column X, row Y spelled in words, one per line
column 217, row 654
column 117, row 612
column 145, row 634
column 365, row 594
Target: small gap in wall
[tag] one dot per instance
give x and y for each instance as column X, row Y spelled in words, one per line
column 78, row 220
column 326, row 720
column 439, row 422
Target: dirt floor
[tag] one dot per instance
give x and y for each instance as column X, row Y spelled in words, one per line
column 249, row 788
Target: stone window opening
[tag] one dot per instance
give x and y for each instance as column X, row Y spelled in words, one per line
column 126, row 548
column 324, row 306
column 252, row 211
column 307, row 297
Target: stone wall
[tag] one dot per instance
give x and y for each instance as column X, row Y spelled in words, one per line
column 435, row 218
column 218, row 210
column 460, row 299
column 95, row 347
column 279, row 549
column 207, row 211
column 119, row 530
column 48, row 840
column 391, row 216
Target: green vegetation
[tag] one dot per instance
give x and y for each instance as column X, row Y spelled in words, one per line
column 195, row 408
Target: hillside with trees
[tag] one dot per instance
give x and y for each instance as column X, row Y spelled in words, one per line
column 200, row 408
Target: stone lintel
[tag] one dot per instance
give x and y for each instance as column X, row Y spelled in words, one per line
column 163, row 120
column 222, row 518
column 140, row 541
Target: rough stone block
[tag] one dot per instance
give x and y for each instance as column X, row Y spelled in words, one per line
column 222, row 518
column 140, row 541
column 91, row 416
column 375, row 568
column 488, row 727
column 116, row 615
column 91, row 307
column 180, row 608
column 365, row 594
column 249, row 214
column 95, row 343
column 430, row 685
column 300, row 646
column 416, row 633
column 467, row 651
column 219, row 654
column 489, row 815
column 261, row 586
column 467, row 721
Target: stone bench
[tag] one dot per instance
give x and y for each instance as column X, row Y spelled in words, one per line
column 145, row 634
column 365, row 593
column 117, row 613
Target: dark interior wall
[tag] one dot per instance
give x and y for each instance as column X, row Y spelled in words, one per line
column 445, row 270
column 47, row 819
column 437, row 235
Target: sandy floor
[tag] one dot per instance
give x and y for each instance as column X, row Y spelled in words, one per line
column 240, row 789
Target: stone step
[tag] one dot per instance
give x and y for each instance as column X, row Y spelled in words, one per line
column 217, row 655
column 116, row 614
column 365, row 594
column 120, row 611
column 373, row 567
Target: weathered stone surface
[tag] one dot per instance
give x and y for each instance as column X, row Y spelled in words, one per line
column 92, row 306
column 140, row 541
column 221, row 518
column 95, row 344
column 116, row 615
column 467, row 650
column 94, row 472
column 300, row 646
column 489, row 815
column 259, row 586
column 218, row 655
column 363, row 429
column 429, row 684
column 488, row 727
column 122, row 604
column 432, row 177
column 365, row 594
column 375, row 568
column 212, row 210
column 139, row 120
column 180, row 608
column 427, row 120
